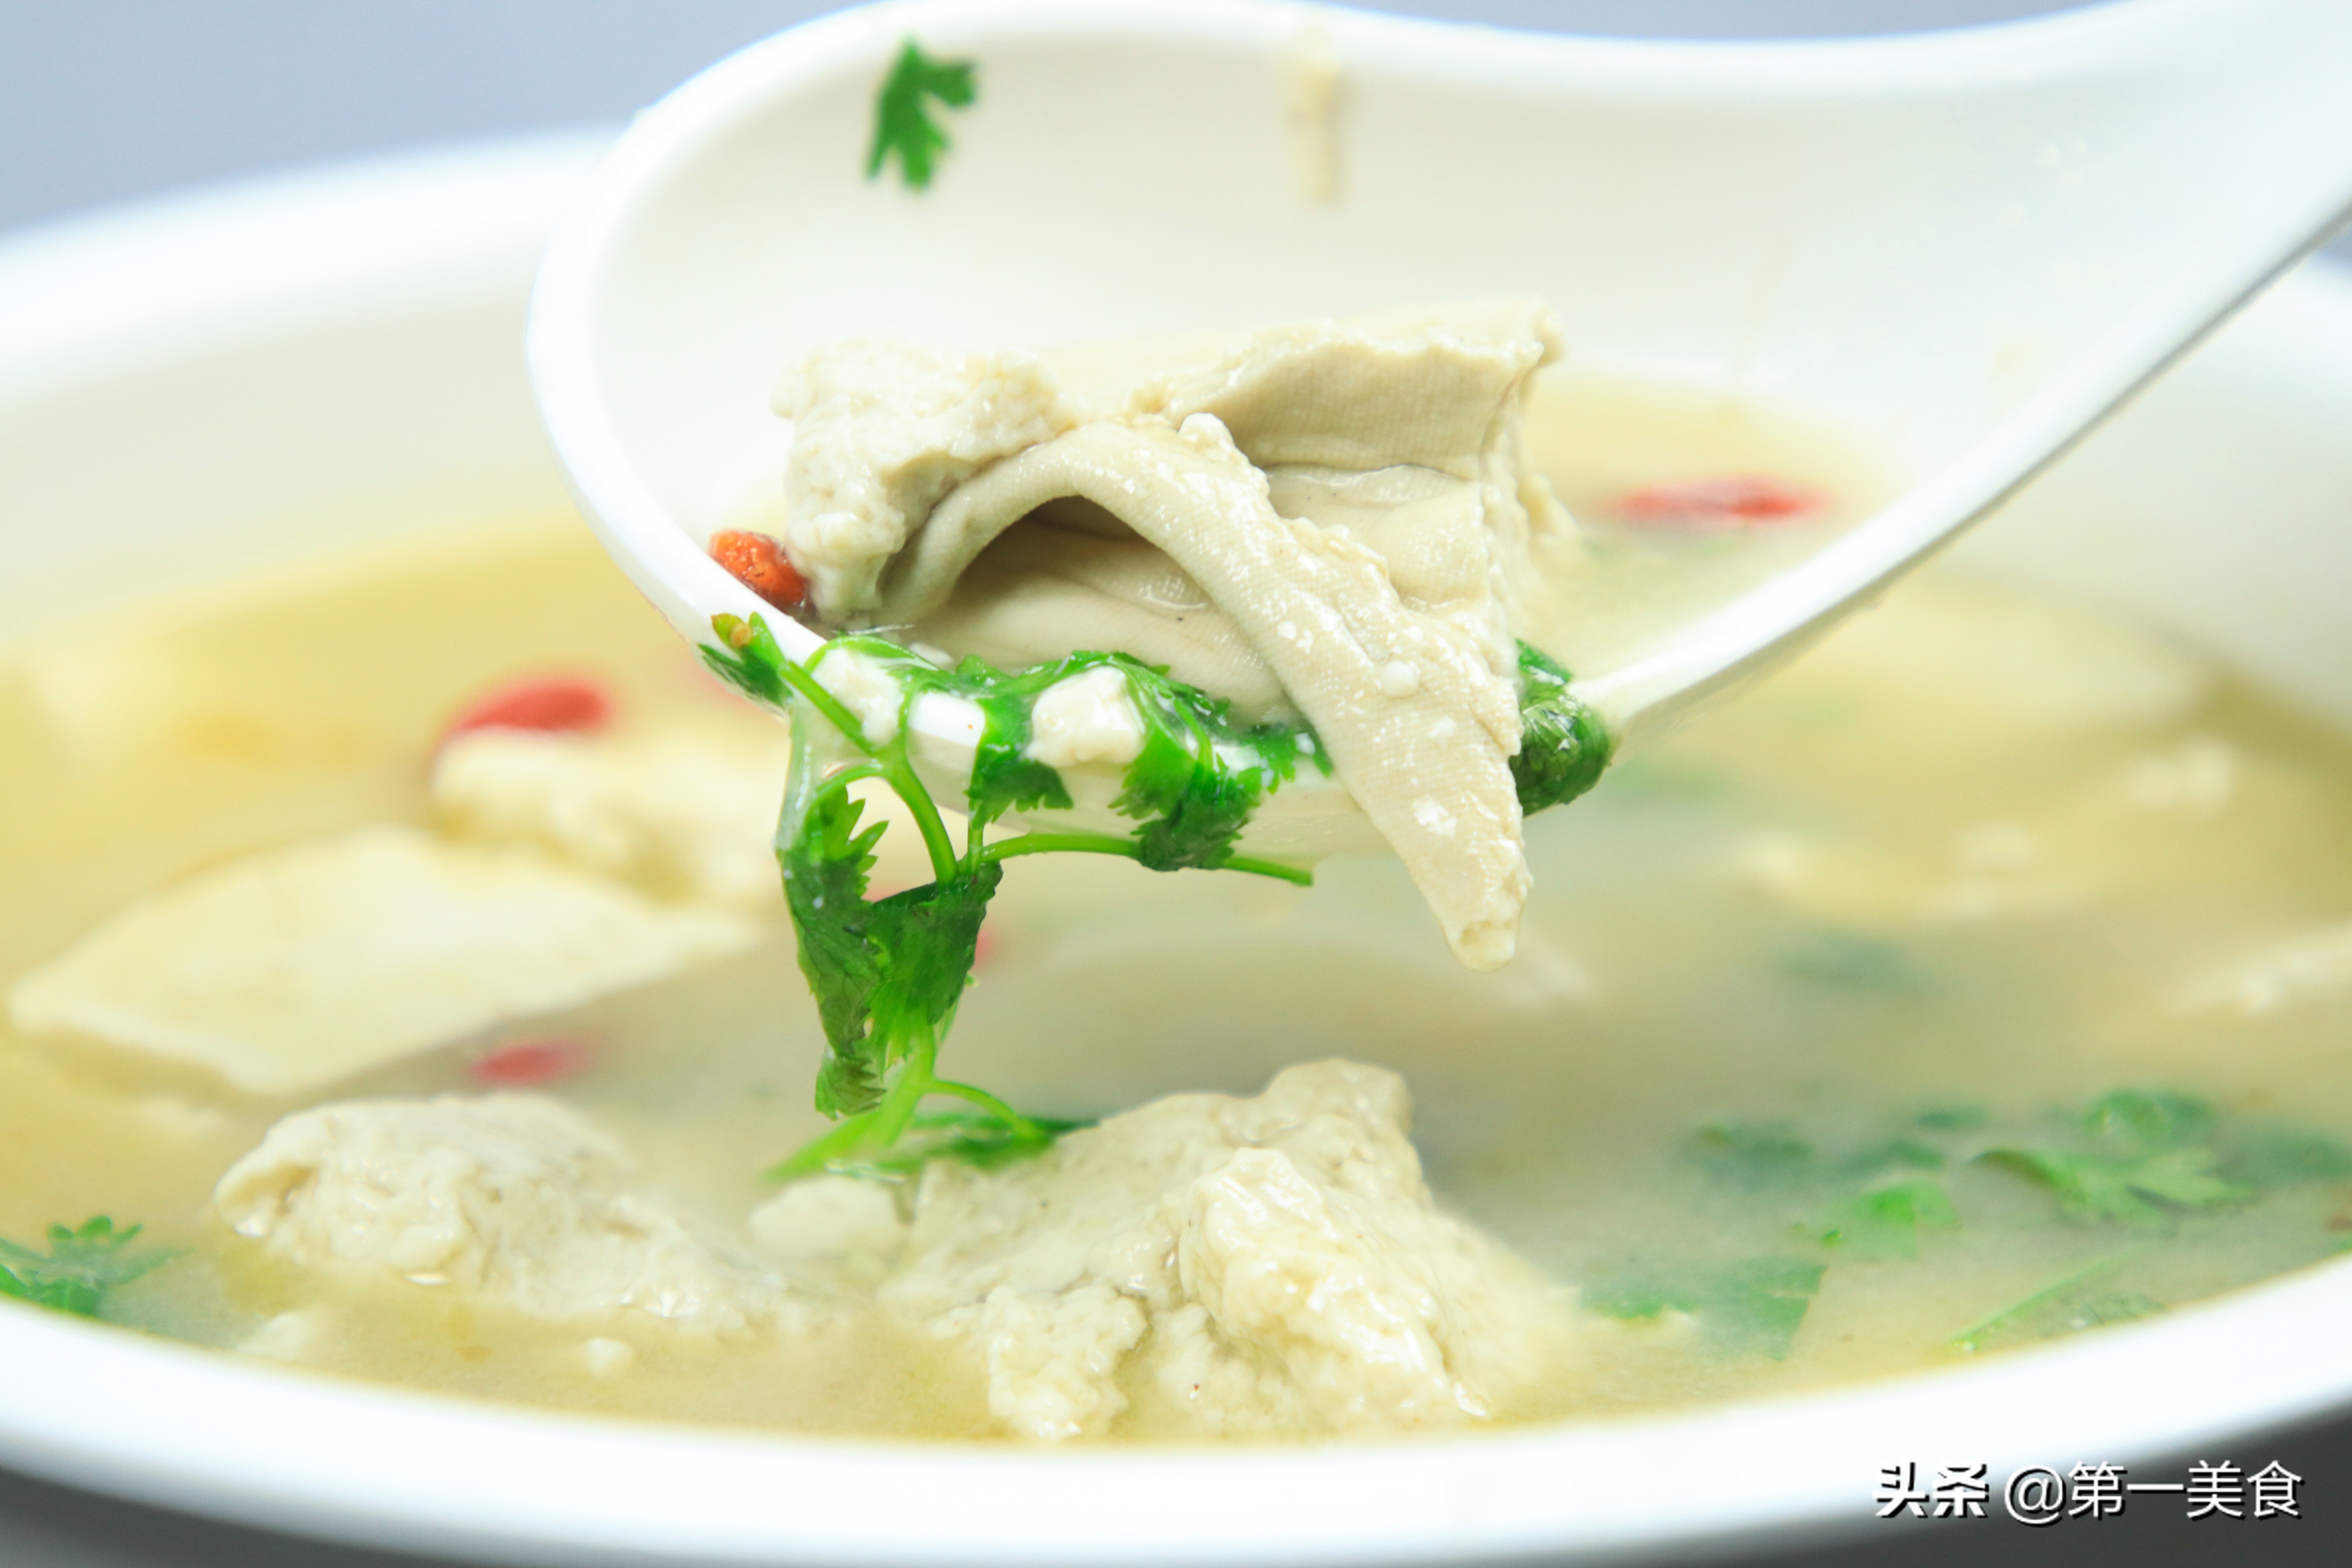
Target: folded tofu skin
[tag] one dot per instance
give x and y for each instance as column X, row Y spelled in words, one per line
column 1331, row 523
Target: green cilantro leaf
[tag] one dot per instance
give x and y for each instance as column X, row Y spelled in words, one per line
column 1752, row 1307
column 751, row 662
column 2146, row 1157
column 886, row 974
column 1190, row 808
column 2146, row 1193
column 1563, row 746
column 1004, row 778
column 83, row 1262
column 927, row 938
column 824, row 861
column 902, row 115
column 1193, row 790
column 1886, row 1222
column 1200, row 777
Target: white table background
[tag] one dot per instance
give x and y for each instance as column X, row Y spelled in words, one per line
column 109, row 100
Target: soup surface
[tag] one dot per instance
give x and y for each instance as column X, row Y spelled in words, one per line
column 1984, row 978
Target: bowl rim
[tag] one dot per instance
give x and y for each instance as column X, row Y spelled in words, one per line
column 119, row 1413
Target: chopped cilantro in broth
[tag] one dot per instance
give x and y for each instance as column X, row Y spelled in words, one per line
column 79, row 1268
column 1951, row 992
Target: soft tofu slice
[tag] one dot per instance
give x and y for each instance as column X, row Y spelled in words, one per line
column 680, row 809
column 684, row 809
column 2041, row 667
column 292, row 970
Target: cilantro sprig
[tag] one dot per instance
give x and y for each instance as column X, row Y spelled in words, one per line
column 2142, row 1173
column 2154, row 1162
column 888, row 974
column 903, row 126
column 83, row 1265
column 2139, row 1157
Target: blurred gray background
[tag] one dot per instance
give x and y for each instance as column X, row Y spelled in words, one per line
column 109, row 100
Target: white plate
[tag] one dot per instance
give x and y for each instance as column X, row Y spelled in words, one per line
column 208, row 382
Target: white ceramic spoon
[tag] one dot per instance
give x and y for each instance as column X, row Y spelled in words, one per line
column 1964, row 246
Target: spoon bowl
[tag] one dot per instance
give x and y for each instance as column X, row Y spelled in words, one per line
column 1961, row 248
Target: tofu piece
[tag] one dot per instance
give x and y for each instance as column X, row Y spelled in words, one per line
column 844, row 1230
column 515, row 1200
column 1986, row 871
column 1274, row 1265
column 290, row 970
column 1334, row 519
column 882, row 430
column 2035, row 665
column 682, row 810
column 1089, row 717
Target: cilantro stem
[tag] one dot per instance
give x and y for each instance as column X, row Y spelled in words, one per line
column 897, row 1112
column 894, row 769
column 887, row 1122
column 1103, row 844
column 848, row 773
column 899, row 774
column 1968, row 1338
column 1055, row 843
column 822, row 1151
column 1295, row 875
column 985, row 1100
column 812, row 691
